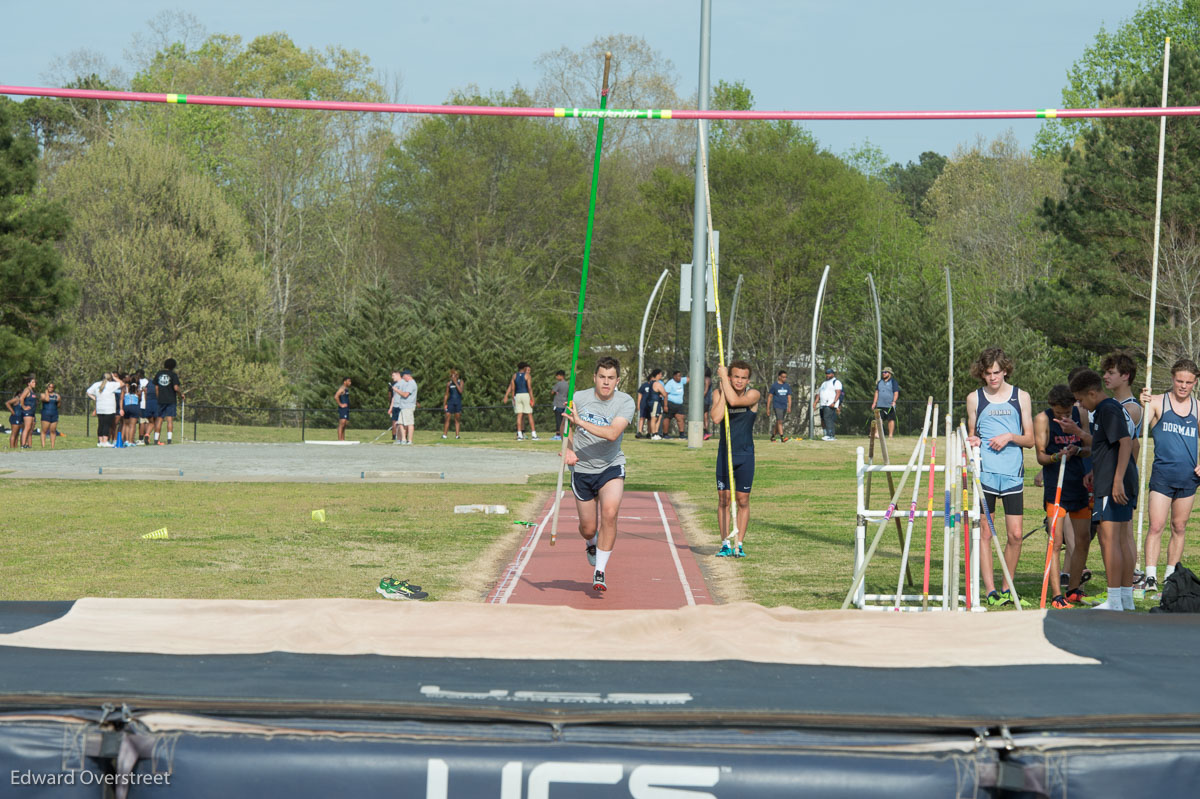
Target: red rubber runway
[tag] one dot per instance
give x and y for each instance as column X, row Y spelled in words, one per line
column 652, row 567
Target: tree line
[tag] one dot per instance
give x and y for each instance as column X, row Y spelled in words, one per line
column 273, row 252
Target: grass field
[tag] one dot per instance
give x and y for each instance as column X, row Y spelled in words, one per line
column 63, row 539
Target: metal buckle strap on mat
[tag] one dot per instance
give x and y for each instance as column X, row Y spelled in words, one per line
column 119, row 749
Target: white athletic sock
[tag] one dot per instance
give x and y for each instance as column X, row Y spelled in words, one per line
column 156, row 438
column 1127, row 597
column 1170, row 571
column 602, row 557
column 1152, row 571
column 169, row 435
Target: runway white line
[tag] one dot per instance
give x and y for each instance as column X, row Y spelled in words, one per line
column 514, row 575
column 687, row 589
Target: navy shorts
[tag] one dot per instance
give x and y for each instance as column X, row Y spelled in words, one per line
column 166, row 410
column 743, row 473
column 454, row 407
column 586, row 486
column 150, row 411
column 1112, row 512
column 395, row 414
column 1165, row 485
column 49, row 418
column 645, row 411
column 15, row 418
column 343, row 412
column 133, row 412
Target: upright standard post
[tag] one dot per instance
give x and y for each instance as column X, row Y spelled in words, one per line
column 1162, row 143
column 641, row 372
column 812, row 355
column 587, row 252
column 949, row 550
column 878, row 327
column 862, row 492
column 695, row 415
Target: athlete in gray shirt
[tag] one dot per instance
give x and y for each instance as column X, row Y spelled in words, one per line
column 598, row 418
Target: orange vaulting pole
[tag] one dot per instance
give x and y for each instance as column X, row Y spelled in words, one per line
column 1054, row 517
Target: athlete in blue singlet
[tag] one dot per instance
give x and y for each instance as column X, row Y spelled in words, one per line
column 452, row 404
column 1000, row 423
column 733, row 395
column 15, row 417
column 1174, row 476
column 29, row 399
column 523, row 401
column 50, row 399
column 342, row 398
column 1118, row 371
column 1058, row 438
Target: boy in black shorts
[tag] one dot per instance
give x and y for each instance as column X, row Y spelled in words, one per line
column 1114, row 483
column 599, row 417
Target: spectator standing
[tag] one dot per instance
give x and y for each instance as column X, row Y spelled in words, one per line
column 168, row 391
column 781, row 404
column 452, row 404
column 522, row 397
column 104, row 393
column 406, row 390
column 559, row 396
column 887, row 394
column 675, row 410
column 829, row 398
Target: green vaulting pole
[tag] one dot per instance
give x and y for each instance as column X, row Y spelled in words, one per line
column 587, row 254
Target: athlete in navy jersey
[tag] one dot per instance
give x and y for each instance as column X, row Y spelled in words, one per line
column 1000, row 423
column 734, row 396
column 50, row 399
column 1055, row 443
column 342, row 398
column 28, row 412
column 452, row 404
column 1174, row 475
column 15, row 416
column 523, row 400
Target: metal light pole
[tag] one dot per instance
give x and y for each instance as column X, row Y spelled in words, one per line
column 695, row 415
column 642, row 336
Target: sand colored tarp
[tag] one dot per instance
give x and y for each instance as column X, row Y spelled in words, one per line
column 742, row 631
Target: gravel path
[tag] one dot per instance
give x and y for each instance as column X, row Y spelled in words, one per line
column 304, row 463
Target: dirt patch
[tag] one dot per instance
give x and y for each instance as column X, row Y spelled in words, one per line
column 485, row 570
column 722, row 575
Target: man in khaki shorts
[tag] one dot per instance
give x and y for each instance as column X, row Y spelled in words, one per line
column 518, row 388
column 406, row 390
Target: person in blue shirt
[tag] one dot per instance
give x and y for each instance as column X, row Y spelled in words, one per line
column 523, row 402
column 1000, row 423
column 1175, row 474
column 781, row 403
column 342, row 398
column 675, row 410
column 887, row 393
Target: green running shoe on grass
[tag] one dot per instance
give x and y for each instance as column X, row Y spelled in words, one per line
column 399, row 589
column 726, row 551
column 740, row 553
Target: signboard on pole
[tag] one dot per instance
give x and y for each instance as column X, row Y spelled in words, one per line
column 685, row 279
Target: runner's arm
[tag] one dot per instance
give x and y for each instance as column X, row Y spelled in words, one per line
column 1041, row 439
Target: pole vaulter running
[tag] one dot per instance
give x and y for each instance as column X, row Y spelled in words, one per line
column 583, row 275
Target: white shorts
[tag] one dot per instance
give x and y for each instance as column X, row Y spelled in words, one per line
column 521, row 403
column 406, row 416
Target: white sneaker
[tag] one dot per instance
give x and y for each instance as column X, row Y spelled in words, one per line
column 443, row 435
column 533, row 435
column 656, row 437
column 827, row 438
column 520, row 436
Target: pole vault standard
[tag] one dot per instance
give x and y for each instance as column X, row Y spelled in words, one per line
column 587, row 252
column 595, row 113
column 812, row 356
column 1162, row 143
column 642, row 336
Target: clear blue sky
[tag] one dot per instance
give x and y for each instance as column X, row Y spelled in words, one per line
column 793, row 54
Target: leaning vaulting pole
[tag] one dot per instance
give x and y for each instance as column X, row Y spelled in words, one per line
column 1162, row 143
column 737, row 295
column 950, row 329
column 878, row 327
column 642, row 336
column 587, row 253
column 712, row 265
column 812, row 355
